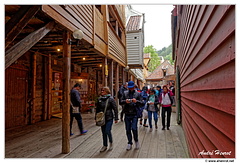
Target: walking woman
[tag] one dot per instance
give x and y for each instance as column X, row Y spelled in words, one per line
column 109, row 116
column 152, row 108
column 166, row 102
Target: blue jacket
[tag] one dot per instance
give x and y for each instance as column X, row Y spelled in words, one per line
column 75, row 97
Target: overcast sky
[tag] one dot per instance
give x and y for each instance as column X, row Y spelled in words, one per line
column 158, row 24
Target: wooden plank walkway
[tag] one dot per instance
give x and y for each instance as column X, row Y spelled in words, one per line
column 43, row 140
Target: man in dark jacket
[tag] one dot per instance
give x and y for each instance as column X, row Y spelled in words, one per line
column 120, row 94
column 132, row 101
column 75, row 108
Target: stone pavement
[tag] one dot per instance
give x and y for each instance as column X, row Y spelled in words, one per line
column 43, row 140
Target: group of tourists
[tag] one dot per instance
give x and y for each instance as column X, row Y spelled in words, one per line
column 136, row 105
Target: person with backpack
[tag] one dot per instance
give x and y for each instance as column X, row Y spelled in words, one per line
column 120, row 94
column 144, row 95
column 166, row 102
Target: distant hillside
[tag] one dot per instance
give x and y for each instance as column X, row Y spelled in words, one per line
column 166, row 53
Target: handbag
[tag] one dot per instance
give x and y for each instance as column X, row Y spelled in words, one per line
column 75, row 109
column 100, row 117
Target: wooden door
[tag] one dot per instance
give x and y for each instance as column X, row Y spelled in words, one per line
column 16, row 81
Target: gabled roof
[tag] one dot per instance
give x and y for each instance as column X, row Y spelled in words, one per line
column 158, row 72
column 134, row 23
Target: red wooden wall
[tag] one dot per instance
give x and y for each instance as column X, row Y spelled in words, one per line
column 205, row 57
column 16, row 87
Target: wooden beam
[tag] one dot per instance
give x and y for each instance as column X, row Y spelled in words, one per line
column 66, row 91
column 16, row 24
column 24, row 45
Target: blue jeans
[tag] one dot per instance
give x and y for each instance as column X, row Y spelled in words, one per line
column 106, row 132
column 131, row 125
column 155, row 116
column 78, row 117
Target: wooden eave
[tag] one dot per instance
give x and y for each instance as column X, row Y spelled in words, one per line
column 49, row 43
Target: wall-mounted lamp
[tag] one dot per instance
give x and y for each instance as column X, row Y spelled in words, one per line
column 126, row 68
column 84, row 58
column 78, row 35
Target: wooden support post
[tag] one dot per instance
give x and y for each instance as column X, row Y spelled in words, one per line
column 104, row 72
column 34, row 81
column 97, row 82
column 117, row 82
column 123, row 76
column 49, row 87
column 111, row 76
column 66, row 91
column 45, row 88
column 105, row 21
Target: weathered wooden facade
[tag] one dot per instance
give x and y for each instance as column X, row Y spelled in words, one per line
column 38, row 46
column 204, row 52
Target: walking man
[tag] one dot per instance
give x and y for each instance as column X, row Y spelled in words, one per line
column 132, row 101
column 120, row 94
column 75, row 109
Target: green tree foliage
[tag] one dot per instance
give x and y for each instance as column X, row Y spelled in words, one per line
column 166, row 53
column 155, row 60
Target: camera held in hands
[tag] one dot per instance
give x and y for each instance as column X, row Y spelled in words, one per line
column 129, row 100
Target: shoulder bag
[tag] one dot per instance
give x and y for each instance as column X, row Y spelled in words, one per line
column 100, row 117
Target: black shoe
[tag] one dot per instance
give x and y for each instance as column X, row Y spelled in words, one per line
column 167, row 128
column 163, row 128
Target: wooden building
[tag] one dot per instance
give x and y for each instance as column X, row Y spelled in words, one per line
column 44, row 57
column 162, row 75
column 204, row 52
column 135, row 43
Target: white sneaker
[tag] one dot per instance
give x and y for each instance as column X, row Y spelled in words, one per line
column 110, row 147
column 137, row 145
column 129, row 147
column 104, row 148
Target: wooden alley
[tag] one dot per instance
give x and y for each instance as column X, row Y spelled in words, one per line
column 43, row 140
